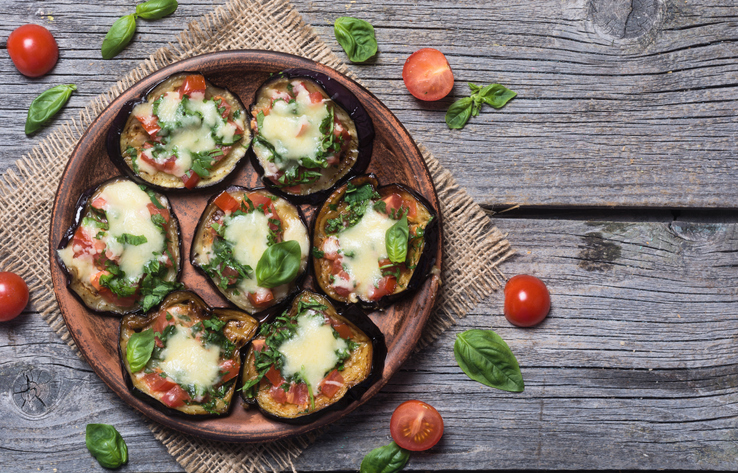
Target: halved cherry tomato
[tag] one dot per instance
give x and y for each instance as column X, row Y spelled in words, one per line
column 416, row 426
column 13, row 296
column 527, row 300
column 33, row 50
column 226, row 202
column 427, row 74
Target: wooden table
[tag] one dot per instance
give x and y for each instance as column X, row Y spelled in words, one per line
column 620, row 150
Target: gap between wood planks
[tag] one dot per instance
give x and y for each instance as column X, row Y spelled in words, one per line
column 609, row 214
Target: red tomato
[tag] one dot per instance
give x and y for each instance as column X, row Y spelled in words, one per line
column 33, row 50
column 261, row 298
column 229, row 368
column 150, row 123
column 13, row 296
column 527, row 300
column 175, row 397
column 274, row 377
column 190, row 179
column 385, row 286
column 226, row 202
column 193, row 84
column 157, row 383
column 416, row 426
column 332, row 383
column 427, row 74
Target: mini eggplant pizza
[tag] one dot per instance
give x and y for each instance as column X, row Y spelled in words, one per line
column 122, row 254
column 369, row 241
column 253, row 246
column 186, row 133
column 185, row 357
column 305, row 360
column 304, row 141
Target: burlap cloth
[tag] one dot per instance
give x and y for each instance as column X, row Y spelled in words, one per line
column 473, row 247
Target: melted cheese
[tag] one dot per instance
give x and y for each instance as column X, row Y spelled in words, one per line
column 249, row 235
column 295, row 230
column 187, row 361
column 82, row 266
column 294, row 129
column 127, row 212
column 312, row 350
column 366, row 240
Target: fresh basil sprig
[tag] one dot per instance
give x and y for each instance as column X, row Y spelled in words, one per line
column 279, row 264
column 120, row 34
column 106, row 445
column 47, row 105
column 485, row 357
column 395, row 240
column 387, row 459
column 494, row 95
column 156, row 9
column 356, row 37
column 122, row 31
column 139, row 349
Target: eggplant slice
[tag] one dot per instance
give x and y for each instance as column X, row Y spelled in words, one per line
column 309, row 134
column 122, row 252
column 358, row 242
column 238, row 231
column 185, row 133
column 184, row 357
column 312, row 359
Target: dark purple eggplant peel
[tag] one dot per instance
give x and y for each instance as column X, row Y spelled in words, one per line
column 282, row 394
column 310, row 135
column 343, row 254
column 157, row 353
column 236, row 228
column 149, row 149
column 114, row 269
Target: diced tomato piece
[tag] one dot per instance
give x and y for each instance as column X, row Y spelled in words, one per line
column 298, row 394
column 167, row 166
column 293, row 189
column 274, row 376
column 193, row 83
column 229, row 368
column 258, row 344
column 330, row 248
column 108, row 295
column 303, row 128
column 99, row 203
column 411, row 206
column 332, row 383
column 95, row 280
column 278, row 394
column 161, row 322
column 190, row 179
column 226, row 202
column 316, row 97
column 225, row 150
column 333, row 159
column 343, row 329
column 153, row 210
column 342, row 291
column 82, row 243
column 150, row 123
column 175, row 397
column 260, row 200
column 339, row 131
column 230, row 274
column 157, row 383
column 223, row 104
column 393, row 204
column 261, row 298
column 385, row 286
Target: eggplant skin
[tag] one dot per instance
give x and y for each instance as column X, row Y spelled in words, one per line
column 291, row 218
column 356, row 151
column 83, row 289
column 364, row 366
column 420, row 259
column 239, row 329
column 127, row 132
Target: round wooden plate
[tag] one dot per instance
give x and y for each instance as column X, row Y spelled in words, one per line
column 395, row 158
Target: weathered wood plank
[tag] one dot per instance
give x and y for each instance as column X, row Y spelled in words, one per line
column 636, row 362
column 619, row 104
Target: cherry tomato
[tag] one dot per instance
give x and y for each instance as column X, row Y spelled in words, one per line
column 33, row 50
column 427, row 74
column 13, row 296
column 416, row 426
column 527, row 300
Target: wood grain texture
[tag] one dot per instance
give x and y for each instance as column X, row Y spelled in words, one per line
column 637, row 362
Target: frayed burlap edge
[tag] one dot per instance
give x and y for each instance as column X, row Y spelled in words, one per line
column 240, row 24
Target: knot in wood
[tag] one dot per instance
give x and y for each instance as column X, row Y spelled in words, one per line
column 624, row 19
column 34, row 391
column 597, row 254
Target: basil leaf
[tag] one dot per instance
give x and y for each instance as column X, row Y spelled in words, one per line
column 156, row 9
column 496, row 95
column 139, row 349
column 485, row 357
column 47, row 105
column 356, row 37
column 387, row 459
column 279, row 264
column 119, row 36
column 459, row 112
column 395, row 240
column 106, row 445
column 133, row 240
